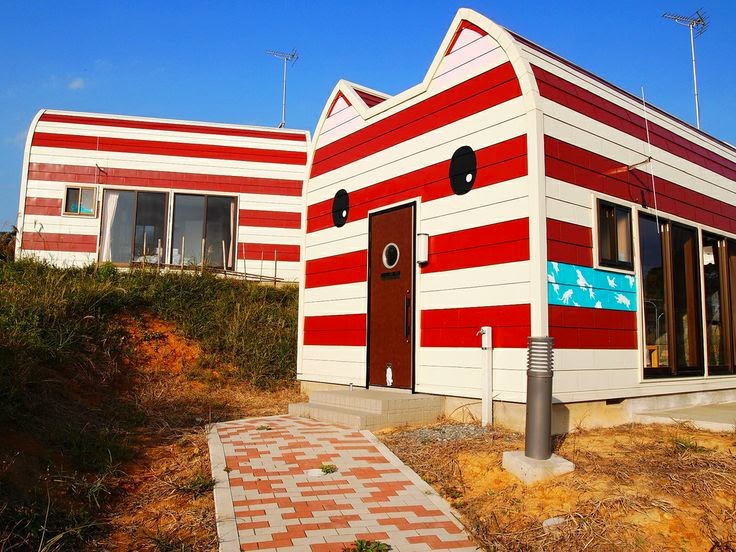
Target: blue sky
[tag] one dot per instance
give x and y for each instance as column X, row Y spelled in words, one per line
column 206, row 61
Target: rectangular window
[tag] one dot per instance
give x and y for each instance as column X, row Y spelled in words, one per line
column 671, row 284
column 614, row 236
column 79, row 201
column 133, row 227
column 204, row 228
column 717, row 305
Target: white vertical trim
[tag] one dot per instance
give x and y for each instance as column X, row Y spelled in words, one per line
column 24, row 183
column 537, row 223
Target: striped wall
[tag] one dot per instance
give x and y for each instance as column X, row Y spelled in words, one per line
column 263, row 168
column 595, row 146
column 550, row 139
column 398, row 150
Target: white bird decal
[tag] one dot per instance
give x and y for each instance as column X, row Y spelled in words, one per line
column 623, row 300
column 556, row 266
column 611, row 282
column 598, row 305
column 591, row 293
column 576, row 303
column 581, row 281
column 566, row 297
column 555, row 285
column 631, row 280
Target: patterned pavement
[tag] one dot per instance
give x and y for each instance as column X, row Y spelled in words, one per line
column 268, row 496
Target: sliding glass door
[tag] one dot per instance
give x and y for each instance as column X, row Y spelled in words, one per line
column 670, row 263
column 204, row 228
column 133, row 227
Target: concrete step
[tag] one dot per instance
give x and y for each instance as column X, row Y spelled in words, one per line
column 369, row 408
column 354, row 419
column 377, row 401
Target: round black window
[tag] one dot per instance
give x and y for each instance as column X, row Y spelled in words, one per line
column 340, row 208
column 463, row 168
column 390, row 255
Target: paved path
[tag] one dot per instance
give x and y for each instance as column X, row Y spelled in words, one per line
column 265, row 499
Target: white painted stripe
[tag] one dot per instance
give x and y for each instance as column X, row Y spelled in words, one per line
column 336, row 241
column 289, row 271
column 335, row 353
column 491, row 126
column 267, row 234
column 62, row 224
column 336, row 307
column 471, row 357
column 60, row 258
column 339, row 292
column 106, row 159
column 490, row 295
column 476, row 277
column 476, row 56
column 170, row 136
column 270, row 202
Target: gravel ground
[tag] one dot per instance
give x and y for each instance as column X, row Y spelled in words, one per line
column 448, row 432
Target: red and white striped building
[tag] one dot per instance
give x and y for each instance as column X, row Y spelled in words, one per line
column 554, row 203
column 131, row 189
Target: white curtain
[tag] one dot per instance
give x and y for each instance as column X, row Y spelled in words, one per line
column 110, row 205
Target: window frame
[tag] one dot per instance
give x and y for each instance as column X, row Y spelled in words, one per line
column 165, row 230
column 627, row 266
column 78, row 213
column 232, row 254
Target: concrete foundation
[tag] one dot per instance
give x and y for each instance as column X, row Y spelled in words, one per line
column 566, row 417
column 531, row 471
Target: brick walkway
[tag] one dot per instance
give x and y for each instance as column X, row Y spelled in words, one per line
column 265, row 499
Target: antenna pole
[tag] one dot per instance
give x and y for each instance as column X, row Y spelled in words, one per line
column 695, row 77
column 285, row 57
column 282, row 124
column 697, row 23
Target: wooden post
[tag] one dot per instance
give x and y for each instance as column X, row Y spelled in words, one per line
column 158, row 255
column 224, row 259
column 275, row 264
column 201, row 258
column 181, row 257
column 261, row 278
column 144, row 247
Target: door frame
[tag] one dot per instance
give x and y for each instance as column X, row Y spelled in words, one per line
column 414, row 203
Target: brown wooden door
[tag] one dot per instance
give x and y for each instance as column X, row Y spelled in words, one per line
column 391, row 297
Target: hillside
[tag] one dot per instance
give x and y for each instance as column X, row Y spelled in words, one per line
column 106, row 378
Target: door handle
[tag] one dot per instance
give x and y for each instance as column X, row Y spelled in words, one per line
column 407, row 324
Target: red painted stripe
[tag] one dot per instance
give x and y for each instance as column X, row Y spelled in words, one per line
column 503, row 242
column 42, row 206
column 464, row 24
column 581, row 328
column 369, row 99
column 496, row 163
column 176, row 127
column 346, row 268
column 155, row 147
column 581, row 100
column 459, row 327
column 342, row 329
column 589, row 170
column 476, row 94
column 48, row 241
column 334, row 102
column 252, row 252
column 569, row 243
column 270, row 219
column 164, row 179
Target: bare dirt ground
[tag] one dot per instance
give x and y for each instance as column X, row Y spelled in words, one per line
column 164, row 495
column 635, row 487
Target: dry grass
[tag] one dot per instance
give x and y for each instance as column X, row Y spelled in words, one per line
column 634, row 488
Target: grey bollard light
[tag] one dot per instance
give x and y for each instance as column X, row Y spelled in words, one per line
column 538, row 438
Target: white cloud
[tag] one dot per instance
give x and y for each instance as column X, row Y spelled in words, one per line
column 76, row 84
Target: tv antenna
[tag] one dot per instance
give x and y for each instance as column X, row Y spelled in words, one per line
column 698, row 23
column 286, row 57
